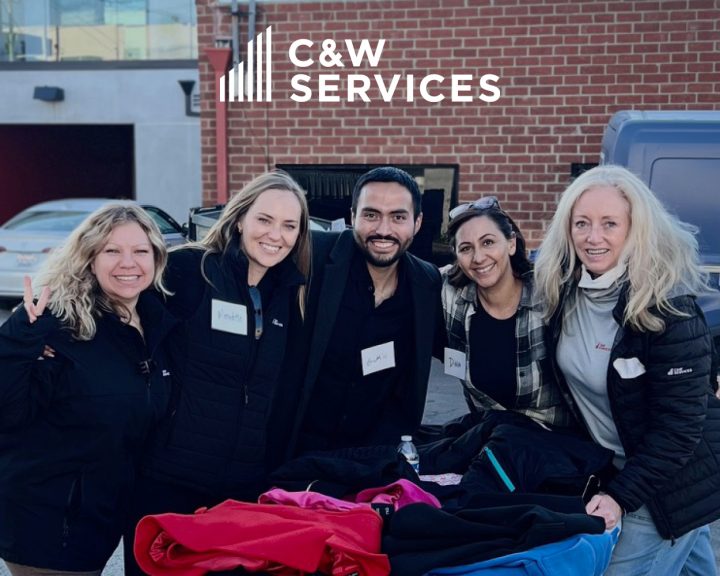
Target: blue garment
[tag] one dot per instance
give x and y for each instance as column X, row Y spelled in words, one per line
column 586, row 554
column 642, row 551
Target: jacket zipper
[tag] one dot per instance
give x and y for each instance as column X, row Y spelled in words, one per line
column 254, row 344
column 621, row 432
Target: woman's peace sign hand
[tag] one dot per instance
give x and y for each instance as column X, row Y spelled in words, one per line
column 34, row 310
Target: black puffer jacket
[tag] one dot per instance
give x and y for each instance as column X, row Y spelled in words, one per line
column 667, row 417
column 71, row 430
column 216, row 439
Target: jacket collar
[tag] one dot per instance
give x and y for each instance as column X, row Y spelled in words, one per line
column 567, row 293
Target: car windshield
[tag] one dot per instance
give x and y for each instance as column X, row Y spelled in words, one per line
column 46, row 221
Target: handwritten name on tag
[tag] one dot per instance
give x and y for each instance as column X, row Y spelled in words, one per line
column 378, row 358
column 455, row 363
column 228, row 317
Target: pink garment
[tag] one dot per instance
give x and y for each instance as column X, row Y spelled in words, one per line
column 399, row 494
column 309, row 500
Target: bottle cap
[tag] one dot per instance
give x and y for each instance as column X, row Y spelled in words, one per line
column 406, row 438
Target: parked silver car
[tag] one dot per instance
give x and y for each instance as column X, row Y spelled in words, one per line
column 28, row 237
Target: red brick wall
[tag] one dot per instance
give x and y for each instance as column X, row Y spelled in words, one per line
column 565, row 67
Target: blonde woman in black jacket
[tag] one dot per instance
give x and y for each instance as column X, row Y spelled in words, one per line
column 618, row 276
column 239, row 295
column 73, row 423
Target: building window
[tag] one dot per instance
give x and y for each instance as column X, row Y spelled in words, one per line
column 97, row 30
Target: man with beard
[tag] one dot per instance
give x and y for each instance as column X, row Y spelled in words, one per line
column 374, row 320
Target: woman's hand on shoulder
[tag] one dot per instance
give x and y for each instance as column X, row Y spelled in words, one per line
column 34, row 309
column 607, row 508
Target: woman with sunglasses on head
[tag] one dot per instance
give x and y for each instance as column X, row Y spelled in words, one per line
column 239, row 292
column 617, row 277
column 495, row 334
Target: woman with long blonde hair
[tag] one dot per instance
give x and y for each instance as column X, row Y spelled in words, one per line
column 73, row 420
column 239, row 293
column 617, row 276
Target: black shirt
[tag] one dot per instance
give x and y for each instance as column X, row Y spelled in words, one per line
column 348, row 408
column 493, row 356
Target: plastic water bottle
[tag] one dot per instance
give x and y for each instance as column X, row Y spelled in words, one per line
column 408, row 450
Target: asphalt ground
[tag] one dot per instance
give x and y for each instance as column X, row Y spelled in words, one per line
column 444, row 402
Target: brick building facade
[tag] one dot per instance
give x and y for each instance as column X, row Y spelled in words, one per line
column 564, row 67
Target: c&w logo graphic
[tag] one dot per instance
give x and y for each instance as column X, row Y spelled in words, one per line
column 237, row 83
column 679, row 371
column 253, row 84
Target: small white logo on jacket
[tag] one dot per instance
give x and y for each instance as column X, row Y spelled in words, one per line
column 277, row 322
column 678, row 371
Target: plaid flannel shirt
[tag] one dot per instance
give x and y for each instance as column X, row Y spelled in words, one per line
column 538, row 395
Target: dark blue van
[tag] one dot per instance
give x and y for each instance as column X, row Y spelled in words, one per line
column 677, row 153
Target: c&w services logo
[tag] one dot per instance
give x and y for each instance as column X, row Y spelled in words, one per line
column 254, row 82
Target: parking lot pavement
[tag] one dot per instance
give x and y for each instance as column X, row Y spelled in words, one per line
column 445, row 399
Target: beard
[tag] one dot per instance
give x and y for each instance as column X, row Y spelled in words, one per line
column 381, row 260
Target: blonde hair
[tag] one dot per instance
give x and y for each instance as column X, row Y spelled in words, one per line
column 660, row 251
column 220, row 234
column 75, row 295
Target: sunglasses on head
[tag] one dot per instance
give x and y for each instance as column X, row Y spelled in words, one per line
column 485, row 203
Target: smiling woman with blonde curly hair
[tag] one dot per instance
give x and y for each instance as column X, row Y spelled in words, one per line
column 74, row 419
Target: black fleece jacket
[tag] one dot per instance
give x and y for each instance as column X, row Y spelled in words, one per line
column 71, row 430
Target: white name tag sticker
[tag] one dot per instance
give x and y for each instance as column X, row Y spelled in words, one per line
column 629, row 367
column 376, row 358
column 455, row 363
column 228, row 317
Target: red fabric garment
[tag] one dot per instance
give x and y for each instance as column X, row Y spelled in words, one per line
column 284, row 540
